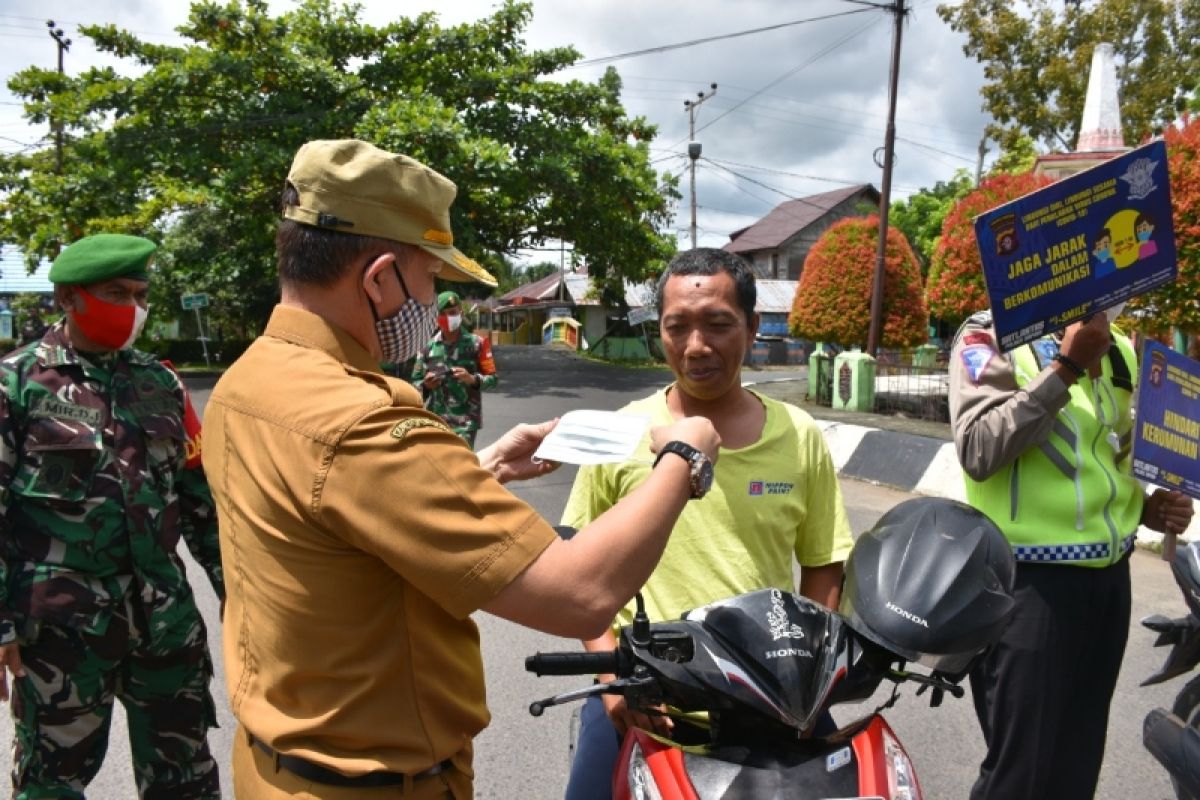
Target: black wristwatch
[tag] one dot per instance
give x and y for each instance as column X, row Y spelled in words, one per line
column 701, row 467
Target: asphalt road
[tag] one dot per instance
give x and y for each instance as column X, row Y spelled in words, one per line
column 520, row 756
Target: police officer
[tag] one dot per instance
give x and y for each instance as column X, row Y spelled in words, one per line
column 454, row 369
column 360, row 532
column 96, row 489
column 1043, row 435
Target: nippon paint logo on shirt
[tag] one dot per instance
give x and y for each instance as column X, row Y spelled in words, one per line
column 759, row 488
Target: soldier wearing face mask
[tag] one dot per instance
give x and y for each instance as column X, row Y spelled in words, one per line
column 358, row 529
column 98, row 482
column 454, row 369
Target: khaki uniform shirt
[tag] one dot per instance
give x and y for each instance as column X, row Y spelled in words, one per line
column 358, row 533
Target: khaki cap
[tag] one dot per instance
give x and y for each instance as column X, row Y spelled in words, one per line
column 354, row 187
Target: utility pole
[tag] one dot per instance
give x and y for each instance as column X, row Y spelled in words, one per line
column 889, row 146
column 63, row 45
column 694, row 146
column 979, row 164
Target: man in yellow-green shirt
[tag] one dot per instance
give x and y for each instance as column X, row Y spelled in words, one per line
column 774, row 501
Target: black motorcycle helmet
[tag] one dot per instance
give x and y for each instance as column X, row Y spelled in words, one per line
column 931, row 582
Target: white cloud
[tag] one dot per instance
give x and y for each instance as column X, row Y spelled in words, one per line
column 802, row 100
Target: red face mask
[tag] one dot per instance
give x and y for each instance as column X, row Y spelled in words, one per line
column 108, row 324
column 449, row 322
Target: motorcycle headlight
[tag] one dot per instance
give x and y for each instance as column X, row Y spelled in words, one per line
column 902, row 778
column 641, row 781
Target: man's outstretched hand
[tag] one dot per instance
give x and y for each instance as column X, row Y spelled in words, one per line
column 510, row 458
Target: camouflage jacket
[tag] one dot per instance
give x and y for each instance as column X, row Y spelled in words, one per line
column 95, row 490
column 460, row 405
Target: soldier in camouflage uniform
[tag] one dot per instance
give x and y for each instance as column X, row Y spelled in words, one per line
column 454, row 369
column 99, row 477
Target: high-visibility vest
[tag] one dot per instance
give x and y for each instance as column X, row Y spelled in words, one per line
column 1071, row 498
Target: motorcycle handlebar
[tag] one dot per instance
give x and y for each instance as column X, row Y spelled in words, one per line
column 572, row 663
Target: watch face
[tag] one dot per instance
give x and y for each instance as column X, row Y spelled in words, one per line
column 702, row 475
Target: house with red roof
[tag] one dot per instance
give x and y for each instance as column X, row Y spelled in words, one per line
column 777, row 244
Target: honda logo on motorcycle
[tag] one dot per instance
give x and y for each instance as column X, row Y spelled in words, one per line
column 788, row 652
column 908, row 615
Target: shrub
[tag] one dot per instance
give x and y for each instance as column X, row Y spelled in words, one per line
column 833, row 300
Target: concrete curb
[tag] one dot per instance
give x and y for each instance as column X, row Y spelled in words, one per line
column 919, row 465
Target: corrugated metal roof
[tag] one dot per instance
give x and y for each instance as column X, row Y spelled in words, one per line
column 790, row 218
column 578, row 292
column 14, row 275
column 775, row 297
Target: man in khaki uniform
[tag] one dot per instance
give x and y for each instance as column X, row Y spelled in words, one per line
column 358, row 532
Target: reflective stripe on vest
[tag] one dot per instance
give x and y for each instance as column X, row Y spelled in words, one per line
column 1077, row 462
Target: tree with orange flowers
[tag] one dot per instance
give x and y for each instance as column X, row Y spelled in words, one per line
column 956, row 289
column 833, row 300
column 1175, row 304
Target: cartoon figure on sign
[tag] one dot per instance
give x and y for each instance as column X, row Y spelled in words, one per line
column 1102, row 251
column 1144, row 228
column 1121, row 244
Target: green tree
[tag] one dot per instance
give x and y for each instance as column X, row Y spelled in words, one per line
column 1036, row 56
column 205, row 134
column 955, row 288
column 833, row 300
column 535, row 272
column 1017, row 157
column 920, row 216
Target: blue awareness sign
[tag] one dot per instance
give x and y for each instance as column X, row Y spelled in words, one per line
column 1166, row 433
column 1086, row 243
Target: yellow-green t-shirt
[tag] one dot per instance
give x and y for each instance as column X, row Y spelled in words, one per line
column 772, row 503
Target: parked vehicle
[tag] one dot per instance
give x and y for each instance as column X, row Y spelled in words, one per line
column 747, row 678
column 1173, row 737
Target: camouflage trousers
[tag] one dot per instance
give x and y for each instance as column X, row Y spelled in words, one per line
column 63, row 709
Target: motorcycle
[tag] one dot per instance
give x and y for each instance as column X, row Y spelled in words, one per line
column 747, row 679
column 1173, row 737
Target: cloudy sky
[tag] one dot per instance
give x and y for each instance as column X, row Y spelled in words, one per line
column 799, row 109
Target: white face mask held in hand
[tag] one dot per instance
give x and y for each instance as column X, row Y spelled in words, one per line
column 593, row 437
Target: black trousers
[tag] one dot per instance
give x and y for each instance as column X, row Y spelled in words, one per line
column 1042, row 693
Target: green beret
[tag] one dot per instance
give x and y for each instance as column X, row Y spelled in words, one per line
column 448, row 299
column 103, row 257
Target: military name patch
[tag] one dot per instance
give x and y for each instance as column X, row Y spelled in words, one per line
column 53, row 408
column 404, row 428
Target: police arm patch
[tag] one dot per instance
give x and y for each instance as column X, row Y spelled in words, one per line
column 975, row 358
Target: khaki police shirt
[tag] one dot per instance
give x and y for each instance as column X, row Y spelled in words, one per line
column 993, row 418
column 358, row 533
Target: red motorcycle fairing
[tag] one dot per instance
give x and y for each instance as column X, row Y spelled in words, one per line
column 793, row 771
column 884, row 768
column 663, row 765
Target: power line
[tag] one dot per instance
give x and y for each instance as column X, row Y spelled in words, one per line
column 721, row 162
column 648, row 93
column 693, row 42
column 792, row 72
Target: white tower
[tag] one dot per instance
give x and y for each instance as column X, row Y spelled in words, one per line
column 1100, row 136
column 1100, row 128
